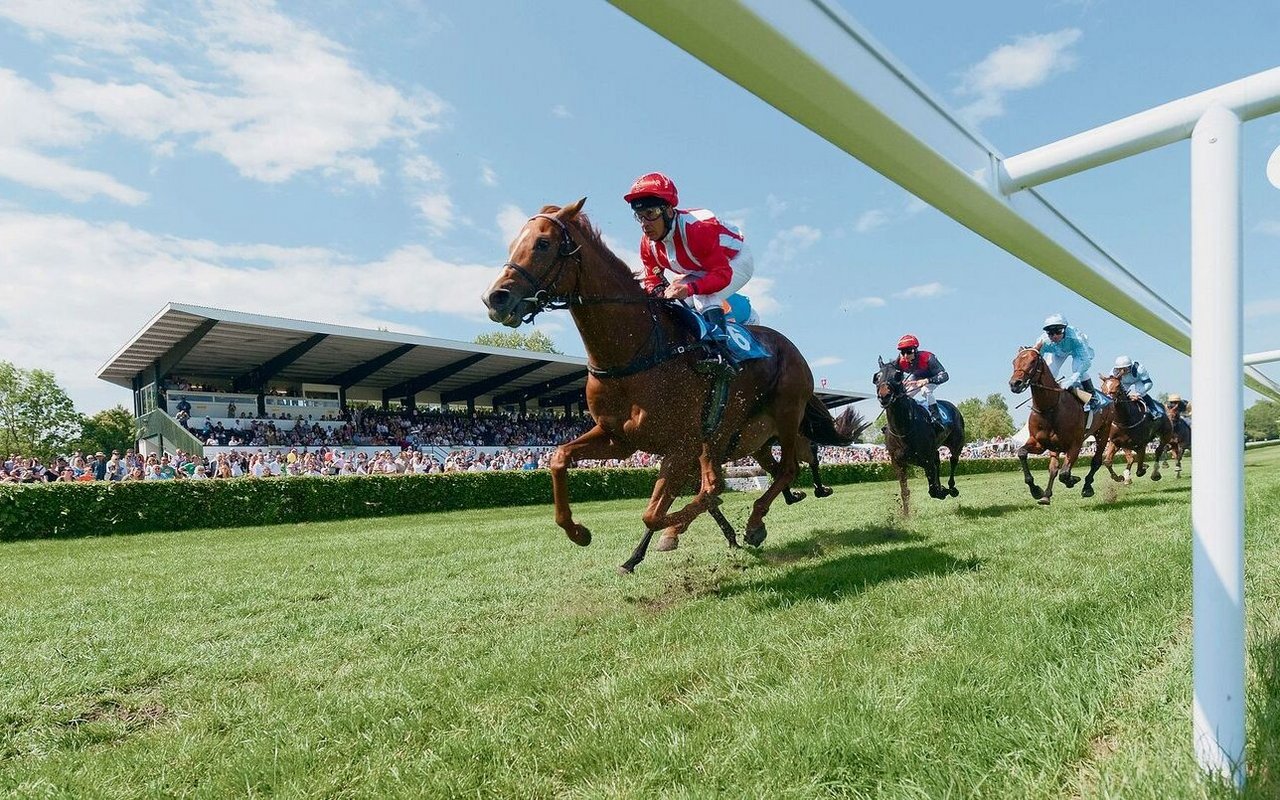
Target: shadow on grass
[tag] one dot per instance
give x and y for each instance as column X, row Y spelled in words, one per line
column 852, row 574
column 818, row 544
column 986, row 512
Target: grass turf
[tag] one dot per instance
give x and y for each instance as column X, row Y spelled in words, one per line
column 988, row 647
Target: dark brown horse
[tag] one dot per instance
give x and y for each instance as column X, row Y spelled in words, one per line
column 1056, row 425
column 643, row 390
column 1176, row 409
column 911, row 438
column 1133, row 429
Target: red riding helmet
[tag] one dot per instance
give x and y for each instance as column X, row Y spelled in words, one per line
column 653, row 184
column 908, row 341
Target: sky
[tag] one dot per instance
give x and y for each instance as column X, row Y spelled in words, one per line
column 367, row 163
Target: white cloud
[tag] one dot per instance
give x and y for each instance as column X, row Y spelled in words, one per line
column 1270, row 227
column 775, row 205
column 787, row 245
column 104, row 24
column 422, row 169
column 274, row 98
column 862, row 303
column 934, row 289
column 826, row 361
column 32, row 169
column 1025, row 64
column 870, row 220
column 487, row 176
column 560, row 111
column 436, row 209
column 761, row 292
column 101, row 281
column 510, row 220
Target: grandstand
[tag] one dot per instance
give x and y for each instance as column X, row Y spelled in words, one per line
column 235, row 365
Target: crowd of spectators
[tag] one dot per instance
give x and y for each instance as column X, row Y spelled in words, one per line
column 402, row 428
column 411, row 442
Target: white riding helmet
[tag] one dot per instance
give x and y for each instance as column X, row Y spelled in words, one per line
column 1054, row 320
column 1123, row 362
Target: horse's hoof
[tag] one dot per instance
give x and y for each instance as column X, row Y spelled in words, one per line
column 624, row 570
column 580, row 535
column 1117, row 479
column 1087, row 491
column 1044, row 501
column 666, row 544
column 822, row 491
column 1155, row 476
column 755, row 536
column 953, row 491
column 1036, row 491
column 1142, row 471
column 793, row 497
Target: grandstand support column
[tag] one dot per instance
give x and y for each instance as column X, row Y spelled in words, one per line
column 471, row 406
column 1217, row 491
column 262, row 402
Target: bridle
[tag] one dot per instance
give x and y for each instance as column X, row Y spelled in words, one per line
column 1033, row 376
column 542, row 300
column 1121, row 398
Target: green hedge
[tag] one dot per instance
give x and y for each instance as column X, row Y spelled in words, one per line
column 87, row 509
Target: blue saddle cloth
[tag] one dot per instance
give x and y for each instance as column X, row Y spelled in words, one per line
column 744, row 345
column 944, row 410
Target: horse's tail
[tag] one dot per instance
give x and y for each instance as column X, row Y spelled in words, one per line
column 819, row 428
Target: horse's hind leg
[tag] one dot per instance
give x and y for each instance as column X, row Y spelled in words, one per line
column 764, row 457
column 1108, row 459
column 954, row 446
column 819, row 490
column 1094, row 466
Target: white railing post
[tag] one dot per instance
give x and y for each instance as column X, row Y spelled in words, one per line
column 1217, row 492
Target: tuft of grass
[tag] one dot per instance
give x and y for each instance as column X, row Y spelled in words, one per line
column 987, row 647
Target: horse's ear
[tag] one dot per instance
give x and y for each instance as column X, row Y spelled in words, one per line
column 570, row 211
column 881, row 360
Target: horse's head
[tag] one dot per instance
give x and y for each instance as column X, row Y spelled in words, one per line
column 1027, row 365
column 888, row 381
column 542, row 267
column 1109, row 385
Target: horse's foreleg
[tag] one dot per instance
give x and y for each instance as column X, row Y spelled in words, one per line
column 933, row 474
column 730, row 535
column 1155, row 460
column 1027, row 478
column 1094, row 466
column 1129, row 458
column 904, row 490
column 595, row 443
column 1108, row 459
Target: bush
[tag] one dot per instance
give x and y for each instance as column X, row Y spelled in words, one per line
column 33, row 511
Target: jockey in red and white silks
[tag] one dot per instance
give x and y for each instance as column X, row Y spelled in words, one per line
column 710, row 256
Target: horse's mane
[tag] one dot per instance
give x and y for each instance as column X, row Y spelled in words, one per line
column 589, row 236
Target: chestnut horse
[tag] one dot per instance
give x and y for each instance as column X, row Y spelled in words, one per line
column 643, row 390
column 1056, row 425
column 1132, row 430
column 910, row 437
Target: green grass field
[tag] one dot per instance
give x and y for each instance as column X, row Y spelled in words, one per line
column 988, row 647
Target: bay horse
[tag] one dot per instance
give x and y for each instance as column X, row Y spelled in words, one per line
column 911, row 438
column 1174, row 408
column 1056, row 425
column 642, row 388
column 1132, row 430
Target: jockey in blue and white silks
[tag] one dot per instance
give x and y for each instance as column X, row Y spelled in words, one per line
column 1059, row 342
column 1136, row 382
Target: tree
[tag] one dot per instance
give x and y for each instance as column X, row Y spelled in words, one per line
column 985, row 419
column 112, row 429
column 1262, row 420
column 37, row 418
column 537, row 341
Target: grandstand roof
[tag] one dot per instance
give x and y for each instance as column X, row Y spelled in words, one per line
column 244, row 351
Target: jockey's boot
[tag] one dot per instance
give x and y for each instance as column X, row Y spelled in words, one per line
column 936, row 418
column 719, row 358
column 1093, row 403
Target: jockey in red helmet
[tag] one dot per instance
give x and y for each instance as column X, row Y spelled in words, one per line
column 709, row 257
column 923, row 372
